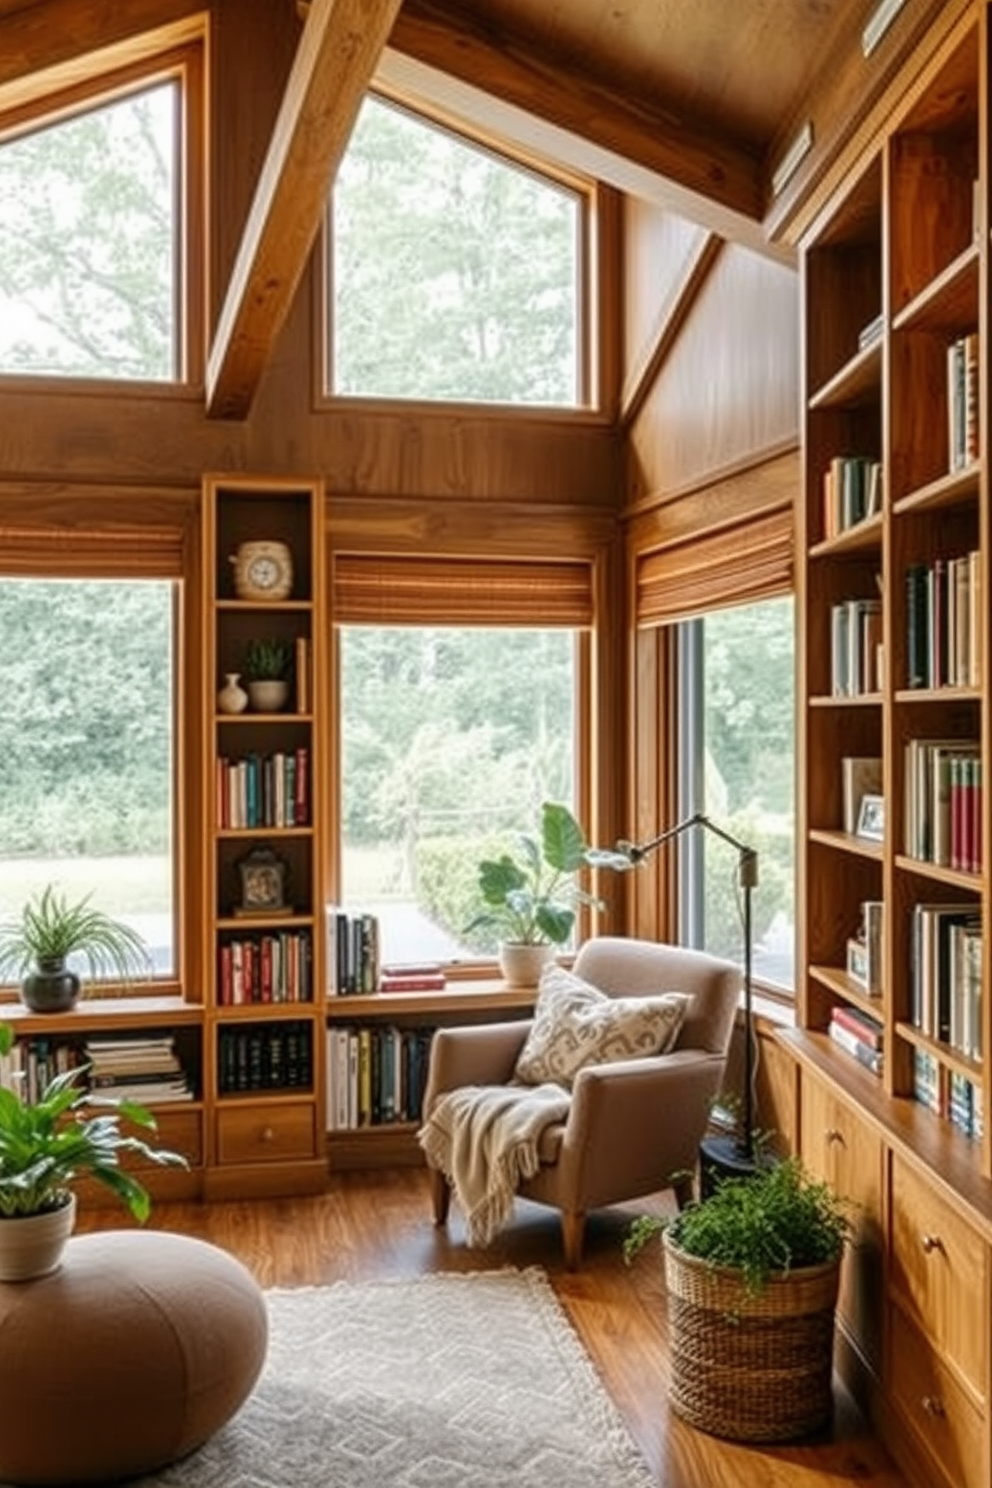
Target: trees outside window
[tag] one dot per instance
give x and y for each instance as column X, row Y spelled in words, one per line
column 87, row 748
column 455, row 273
column 450, row 740
column 737, row 736
column 88, row 242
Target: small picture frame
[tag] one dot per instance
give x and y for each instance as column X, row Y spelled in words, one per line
column 262, row 876
column 871, row 818
column 857, row 962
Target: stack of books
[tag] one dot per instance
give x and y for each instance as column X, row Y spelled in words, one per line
column 352, row 952
column 858, row 1035
column 412, row 976
column 145, row 1069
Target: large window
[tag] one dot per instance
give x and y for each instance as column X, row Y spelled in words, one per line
column 455, row 274
column 737, row 739
column 450, row 740
column 88, row 242
column 87, row 740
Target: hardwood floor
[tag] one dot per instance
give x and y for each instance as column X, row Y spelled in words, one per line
column 378, row 1224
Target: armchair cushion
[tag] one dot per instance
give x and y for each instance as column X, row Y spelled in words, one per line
column 576, row 1025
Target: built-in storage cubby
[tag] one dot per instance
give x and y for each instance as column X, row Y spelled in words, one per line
column 893, row 1002
column 264, row 860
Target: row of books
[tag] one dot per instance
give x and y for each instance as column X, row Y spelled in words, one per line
column 852, row 491
column 270, row 1056
column 276, row 966
column 962, row 401
column 944, row 789
column 353, row 957
column 858, row 1035
column 264, row 790
column 136, row 1067
column 943, row 622
column 375, row 1075
column 948, row 1094
column 855, row 647
column 145, row 1069
column 946, row 979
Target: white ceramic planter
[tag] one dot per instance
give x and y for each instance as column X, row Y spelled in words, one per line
column 522, row 965
column 32, row 1244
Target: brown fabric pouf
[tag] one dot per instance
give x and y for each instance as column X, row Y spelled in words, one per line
column 128, row 1357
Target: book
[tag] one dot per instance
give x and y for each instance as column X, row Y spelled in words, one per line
column 864, row 1053
column 857, row 1023
column 423, row 982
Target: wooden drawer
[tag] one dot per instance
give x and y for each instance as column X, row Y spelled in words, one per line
column 846, row 1154
column 946, row 1424
column 938, row 1272
column 266, row 1133
column 179, row 1131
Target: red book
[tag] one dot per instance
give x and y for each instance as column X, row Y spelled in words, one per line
column 265, row 978
column 301, row 789
column 425, row 982
column 225, row 990
column 859, row 1024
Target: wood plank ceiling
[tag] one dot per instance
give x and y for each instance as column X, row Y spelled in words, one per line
column 688, row 102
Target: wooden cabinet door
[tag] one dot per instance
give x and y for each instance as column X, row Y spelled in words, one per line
column 845, row 1153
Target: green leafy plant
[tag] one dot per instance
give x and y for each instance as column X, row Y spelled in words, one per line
column 68, row 1133
column 531, row 899
column 774, row 1221
column 267, row 659
column 51, row 928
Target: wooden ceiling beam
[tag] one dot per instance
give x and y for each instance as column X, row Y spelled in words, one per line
column 338, row 51
column 454, row 40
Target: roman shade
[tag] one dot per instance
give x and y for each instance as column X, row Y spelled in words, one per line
column 739, row 564
column 99, row 552
column 400, row 590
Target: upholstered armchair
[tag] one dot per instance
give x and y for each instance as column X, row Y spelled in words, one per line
column 633, row 1127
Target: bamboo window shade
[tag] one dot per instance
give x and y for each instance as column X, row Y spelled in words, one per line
column 110, row 552
column 737, row 565
column 399, row 590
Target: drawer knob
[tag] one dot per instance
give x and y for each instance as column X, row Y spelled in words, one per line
column 932, row 1242
column 833, row 1135
column 267, row 1134
column 933, row 1405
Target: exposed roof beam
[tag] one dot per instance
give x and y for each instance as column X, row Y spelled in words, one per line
column 702, row 161
column 337, row 55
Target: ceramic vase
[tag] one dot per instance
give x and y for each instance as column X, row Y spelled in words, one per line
column 232, row 697
column 52, row 988
column 268, row 696
column 32, row 1244
column 522, row 965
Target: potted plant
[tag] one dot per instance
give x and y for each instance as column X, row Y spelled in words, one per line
column 36, row 944
column 530, row 900
column 267, row 666
column 45, row 1146
column 751, row 1274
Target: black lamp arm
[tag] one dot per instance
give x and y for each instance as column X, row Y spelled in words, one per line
column 748, row 864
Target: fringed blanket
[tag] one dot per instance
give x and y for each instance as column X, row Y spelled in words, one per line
column 485, row 1139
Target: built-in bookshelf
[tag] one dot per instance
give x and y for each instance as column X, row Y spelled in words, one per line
column 263, row 856
column 893, row 1005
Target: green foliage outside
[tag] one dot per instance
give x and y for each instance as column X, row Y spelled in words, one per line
column 455, row 273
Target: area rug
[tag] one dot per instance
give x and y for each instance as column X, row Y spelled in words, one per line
column 449, row 1381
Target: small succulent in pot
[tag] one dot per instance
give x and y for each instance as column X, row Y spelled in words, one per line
column 35, row 947
column 267, row 668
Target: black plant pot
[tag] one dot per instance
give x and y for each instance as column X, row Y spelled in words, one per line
column 50, row 989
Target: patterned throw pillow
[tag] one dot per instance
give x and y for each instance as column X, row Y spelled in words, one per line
column 575, row 1024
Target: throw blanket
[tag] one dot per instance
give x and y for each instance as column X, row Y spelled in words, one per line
column 485, row 1138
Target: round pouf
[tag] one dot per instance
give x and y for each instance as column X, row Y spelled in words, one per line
column 129, row 1356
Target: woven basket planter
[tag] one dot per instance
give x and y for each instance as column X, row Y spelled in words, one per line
column 750, row 1368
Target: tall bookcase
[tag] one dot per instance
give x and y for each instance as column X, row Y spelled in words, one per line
column 894, row 895
column 263, row 852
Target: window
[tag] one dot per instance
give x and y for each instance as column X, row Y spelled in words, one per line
column 737, row 764
column 87, row 743
column 88, row 242
column 455, row 274
column 450, row 740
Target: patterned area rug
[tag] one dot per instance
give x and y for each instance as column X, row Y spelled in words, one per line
column 450, row 1381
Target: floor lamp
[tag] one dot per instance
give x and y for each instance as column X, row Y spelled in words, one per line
column 733, row 1156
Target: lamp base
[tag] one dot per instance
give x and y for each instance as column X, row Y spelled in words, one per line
column 723, row 1157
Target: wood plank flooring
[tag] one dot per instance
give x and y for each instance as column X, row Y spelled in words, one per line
column 378, row 1224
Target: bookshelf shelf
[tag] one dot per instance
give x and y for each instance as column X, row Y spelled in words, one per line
column 955, row 488
column 866, row 534
column 949, row 302
column 846, row 842
column 855, row 384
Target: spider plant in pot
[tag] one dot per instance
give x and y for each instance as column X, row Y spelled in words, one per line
column 529, row 900
column 751, row 1274
column 35, row 947
column 46, row 1144
column 267, row 666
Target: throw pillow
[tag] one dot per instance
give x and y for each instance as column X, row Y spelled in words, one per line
column 575, row 1024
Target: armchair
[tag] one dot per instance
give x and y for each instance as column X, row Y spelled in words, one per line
column 633, row 1127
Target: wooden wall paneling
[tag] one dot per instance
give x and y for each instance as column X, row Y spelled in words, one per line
column 657, row 247
column 730, row 387
column 602, row 756
column 725, row 499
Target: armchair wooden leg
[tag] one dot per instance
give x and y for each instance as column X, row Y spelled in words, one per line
column 573, row 1228
column 683, row 1190
column 440, row 1196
